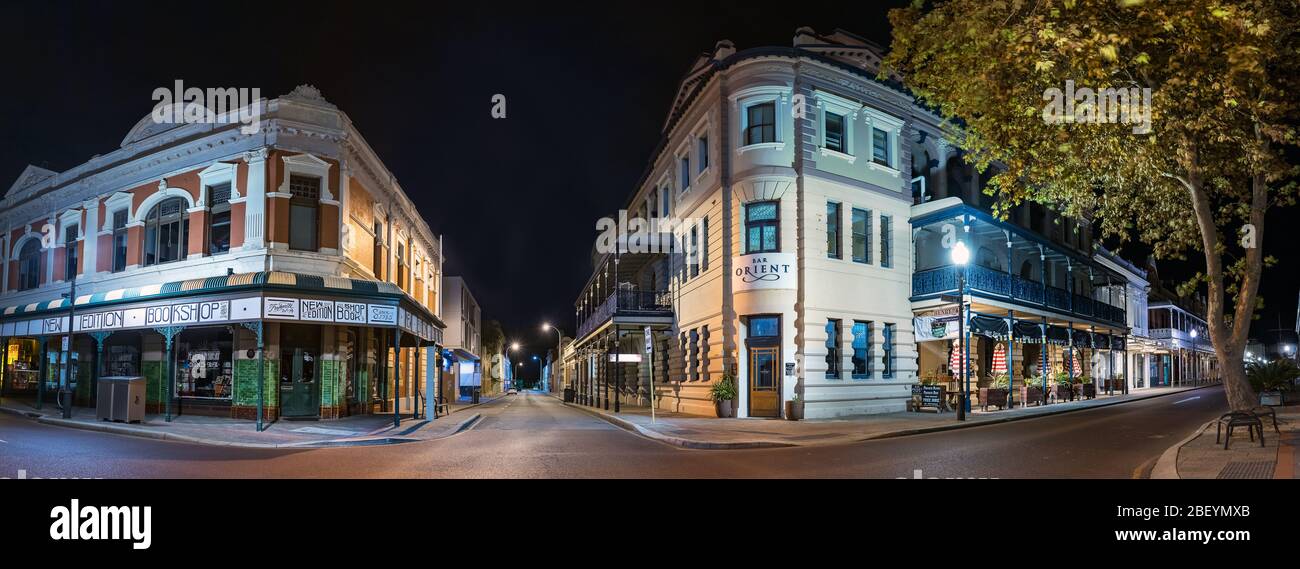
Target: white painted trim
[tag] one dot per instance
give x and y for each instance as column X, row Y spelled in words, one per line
column 219, row 173
column 306, row 164
column 138, row 215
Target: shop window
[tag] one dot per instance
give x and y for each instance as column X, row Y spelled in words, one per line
column 203, row 363
column 832, row 349
column 29, row 265
column 166, row 232
column 304, row 212
column 764, row 327
column 70, row 252
column 861, row 350
column 119, row 240
column 762, row 227
column 24, row 364
column 122, row 354
column 219, row 226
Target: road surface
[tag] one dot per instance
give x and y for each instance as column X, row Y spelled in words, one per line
column 533, row 435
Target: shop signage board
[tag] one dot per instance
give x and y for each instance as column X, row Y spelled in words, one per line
column 764, row 271
column 929, row 395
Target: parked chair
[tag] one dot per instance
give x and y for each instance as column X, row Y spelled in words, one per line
column 1234, row 419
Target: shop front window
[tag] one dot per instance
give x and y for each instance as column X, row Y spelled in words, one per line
column 23, row 369
column 203, row 363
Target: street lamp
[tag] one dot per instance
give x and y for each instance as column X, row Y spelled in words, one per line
column 960, row 257
column 1196, row 357
column 559, row 353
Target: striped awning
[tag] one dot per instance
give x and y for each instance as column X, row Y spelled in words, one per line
column 210, row 284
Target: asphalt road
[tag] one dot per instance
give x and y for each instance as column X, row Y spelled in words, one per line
column 534, row 435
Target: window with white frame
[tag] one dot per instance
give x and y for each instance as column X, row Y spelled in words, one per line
column 834, row 132
column 760, row 123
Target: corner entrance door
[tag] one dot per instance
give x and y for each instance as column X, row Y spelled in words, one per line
column 764, row 386
column 299, row 396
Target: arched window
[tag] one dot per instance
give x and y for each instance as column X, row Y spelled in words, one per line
column 29, row 265
column 166, row 232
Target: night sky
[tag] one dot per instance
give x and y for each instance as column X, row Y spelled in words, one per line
column 515, row 199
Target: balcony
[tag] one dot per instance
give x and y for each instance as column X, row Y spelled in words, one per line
column 627, row 302
column 989, row 283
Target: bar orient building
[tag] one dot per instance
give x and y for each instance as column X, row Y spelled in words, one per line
column 201, row 255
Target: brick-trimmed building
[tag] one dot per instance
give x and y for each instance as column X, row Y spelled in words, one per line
column 193, row 242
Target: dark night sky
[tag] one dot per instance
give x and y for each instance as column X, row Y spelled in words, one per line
column 516, row 199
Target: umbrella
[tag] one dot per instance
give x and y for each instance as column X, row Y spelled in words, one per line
column 1000, row 359
column 954, row 359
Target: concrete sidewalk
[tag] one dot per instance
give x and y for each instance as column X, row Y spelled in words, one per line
column 361, row 430
column 1201, row 456
column 695, row 432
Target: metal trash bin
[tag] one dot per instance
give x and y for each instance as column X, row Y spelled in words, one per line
column 568, row 395
column 121, row 399
column 475, row 396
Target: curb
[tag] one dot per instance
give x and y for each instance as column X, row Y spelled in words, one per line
column 1000, row 420
column 118, row 429
column 1166, row 467
column 741, row 445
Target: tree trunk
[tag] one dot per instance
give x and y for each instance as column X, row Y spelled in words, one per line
column 1229, row 340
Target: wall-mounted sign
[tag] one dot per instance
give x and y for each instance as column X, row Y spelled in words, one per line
column 286, row 308
column 763, row 271
column 789, row 369
column 316, row 310
column 350, row 312
column 382, row 314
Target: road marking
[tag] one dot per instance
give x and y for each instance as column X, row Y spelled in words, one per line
column 4, row 441
column 1186, row 400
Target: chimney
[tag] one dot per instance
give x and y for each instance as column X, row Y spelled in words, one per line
column 723, row 50
column 805, row 35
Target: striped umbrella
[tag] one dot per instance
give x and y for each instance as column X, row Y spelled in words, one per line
column 954, row 358
column 1000, row 358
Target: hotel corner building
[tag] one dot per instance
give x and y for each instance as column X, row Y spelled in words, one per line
column 194, row 245
column 814, row 208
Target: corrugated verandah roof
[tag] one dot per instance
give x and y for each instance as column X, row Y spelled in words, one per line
column 223, row 283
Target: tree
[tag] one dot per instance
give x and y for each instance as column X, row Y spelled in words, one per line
column 1222, row 77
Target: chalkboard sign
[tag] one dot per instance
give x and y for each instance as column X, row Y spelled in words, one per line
column 930, row 395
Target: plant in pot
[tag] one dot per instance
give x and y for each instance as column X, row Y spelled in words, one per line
column 1085, row 387
column 996, row 391
column 1031, row 391
column 1061, row 388
column 723, row 393
column 1272, row 380
column 794, row 408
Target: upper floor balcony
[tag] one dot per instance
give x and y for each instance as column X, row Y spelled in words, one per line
column 1011, row 265
column 623, row 287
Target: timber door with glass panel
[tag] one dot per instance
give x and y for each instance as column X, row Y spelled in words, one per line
column 299, row 385
column 763, row 364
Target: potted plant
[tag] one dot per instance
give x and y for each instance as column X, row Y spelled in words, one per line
column 1032, row 391
column 723, row 393
column 794, row 408
column 1272, row 380
column 1061, row 388
column 1086, row 388
column 996, row 392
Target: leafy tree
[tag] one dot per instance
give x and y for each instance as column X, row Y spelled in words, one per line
column 1222, row 76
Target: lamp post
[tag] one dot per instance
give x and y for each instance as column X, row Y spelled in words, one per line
column 960, row 257
column 1196, row 357
column 559, row 354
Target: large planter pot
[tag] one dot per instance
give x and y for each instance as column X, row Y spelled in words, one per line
column 1272, row 398
column 1086, row 390
column 1062, row 392
column 794, row 410
column 723, row 408
column 993, row 396
column 1031, row 394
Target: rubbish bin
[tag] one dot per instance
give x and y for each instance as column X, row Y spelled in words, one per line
column 568, row 395
column 475, row 395
column 121, row 399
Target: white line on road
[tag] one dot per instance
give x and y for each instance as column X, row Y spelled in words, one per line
column 1186, row 400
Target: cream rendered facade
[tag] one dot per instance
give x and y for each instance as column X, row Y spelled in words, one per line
column 795, row 167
